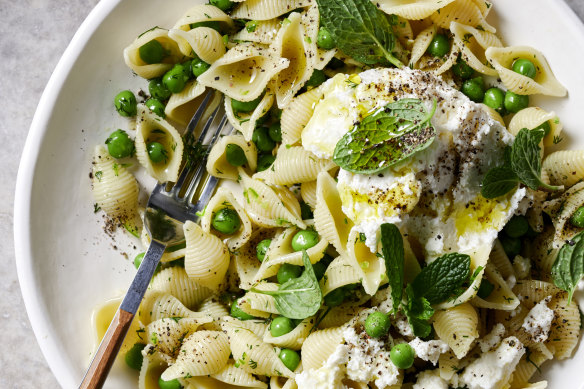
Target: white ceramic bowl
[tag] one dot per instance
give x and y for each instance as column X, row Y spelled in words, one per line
column 67, row 265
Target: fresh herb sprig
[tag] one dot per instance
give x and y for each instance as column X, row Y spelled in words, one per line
column 436, row 283
column 522, row 165
column 387, row 137
column 359, row 30
column 298, row 298
column 568, row 268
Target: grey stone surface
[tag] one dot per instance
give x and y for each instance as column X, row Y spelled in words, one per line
column 33, row 35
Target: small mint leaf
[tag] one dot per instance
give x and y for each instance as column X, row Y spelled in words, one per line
column 441, row 278
column 568, row 268
column 499, row 181
column 392, row 247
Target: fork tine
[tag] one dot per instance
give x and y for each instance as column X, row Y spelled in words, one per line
column 199, row 112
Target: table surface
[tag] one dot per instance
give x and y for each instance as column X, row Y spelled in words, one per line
column 33, row 36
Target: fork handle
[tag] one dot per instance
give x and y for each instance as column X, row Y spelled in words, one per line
column 116, row 332
column 107, row 351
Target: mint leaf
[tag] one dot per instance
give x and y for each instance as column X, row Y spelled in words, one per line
column 499, row 181
column 440, row 279
column 526, row 158
column 298, row 298
column 568, row 269
column 392, row 247
column 386, row 137
column 418, row 311
column 359, row 30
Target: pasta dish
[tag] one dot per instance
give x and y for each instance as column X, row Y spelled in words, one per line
column 389, row 215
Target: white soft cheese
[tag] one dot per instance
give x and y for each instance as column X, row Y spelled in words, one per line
column 493, row 369
column 493, row 338
column 403, row 326
column 429, row 351
column 539, row 320
column 329, row 376
column 522, row 267
column 430, row 379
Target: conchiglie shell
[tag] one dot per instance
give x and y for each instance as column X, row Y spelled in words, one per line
column 115, row 189
column 207, row 258
column 561, row 210
column 473, row 44
column 308, row 193
column 338, row 316
column 502, row 297
column 329, row 220
column 181, row 106
column 542, row 253
column 243, row 72
column 152, row 367
column 294, row 165
column 149, row 71
column 175, row 281
column 265, row 31
column 223, row 198
column 533, row 117
column 339, row 273
column 458, row 327
column 311, row 23
column 245, row 122
column 149, row 128
column 259, row 326
column 297, row 114
column 217, row 164
column 463, row 11
column 526, row 368
column 421, row 44
column 448, row 364
column 203, row 13
column 232, row 375
column 500, row 260
column 281, row 252
column 206, row 43
column 293, row 339
column 167, row 334
column 411, row 9
column 157, row 305
column 565, row 329
column 565, row 167
column 259, row 304
column 202, row 353
column 319, row 345
column 246, row 260
column 368, row 265
column 545, row 82
column 267, row 9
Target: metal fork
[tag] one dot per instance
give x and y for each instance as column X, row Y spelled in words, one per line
column 169, row 207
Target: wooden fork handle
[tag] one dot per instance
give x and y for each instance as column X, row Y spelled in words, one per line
column 107, row 351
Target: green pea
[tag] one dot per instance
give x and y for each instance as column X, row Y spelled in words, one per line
column 462, row 70
column 199, row 67
column 158, row 90
column 317, row 78
column 237, row 313
column 251, row 25
column 265, row 161
column 495, row 98
column 474, row 89
column 172, row 384
column 281, row 326
column 335, row 297
column 577, row 218
column 275, row 132
column 514, row 102
column 235, row 155
column 524, row 67
column 305, row 239
column 125, row 103
column 545, row 126
column 324, row 39
column 516, row 227
column 156, row 152
column 134, row 356
column 511, row 246
column 152, row 52
column 402, row 355
column 377, row 324
column 485, row 289
column 156, row 106
column 223, row 5
column 319, row 269
column 211, row 24
column 290, row 358
column 262, row 249
column 439, row 46
column 119, row 144
column 262, row 140
column 287, row 272
column 245, row 106
column 226, row 220
column 138, row 260
column 175, row 79
column 305, row 211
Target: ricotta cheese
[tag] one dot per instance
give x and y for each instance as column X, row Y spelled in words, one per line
column 493, row 369
column 430, row 379
column 429, row 351
column 493, row 338
column 329, row 376
column 538, row 321
column 522, row 267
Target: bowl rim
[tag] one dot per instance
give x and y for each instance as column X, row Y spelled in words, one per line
column 36, row 311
